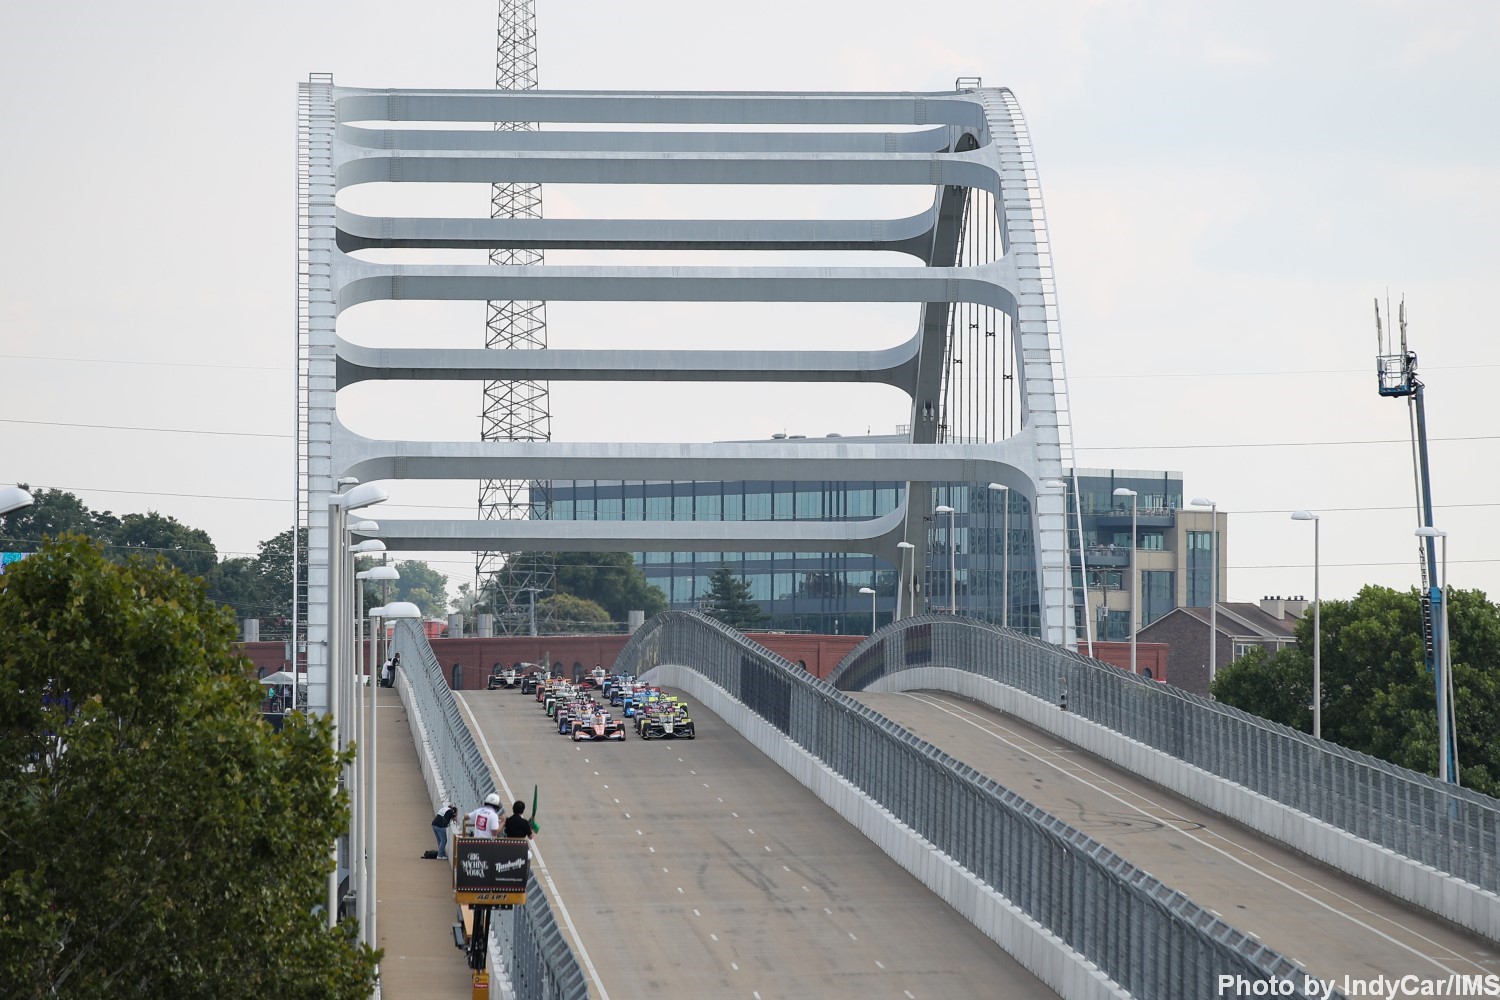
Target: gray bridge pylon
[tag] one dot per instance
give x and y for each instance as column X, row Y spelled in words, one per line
column 954, row 143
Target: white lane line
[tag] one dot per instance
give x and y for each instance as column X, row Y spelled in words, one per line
column 734, row 814
column 981, row 726
column 696, row 913
column 768, row 848
column 785, row 868
column 679, row 888
column 651, row 849
column 735, row 966
column 536, row 853
column 879, row 964
column 713, row 937
column 910, row 995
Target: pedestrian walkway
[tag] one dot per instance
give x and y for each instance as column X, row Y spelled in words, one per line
column 415, row 896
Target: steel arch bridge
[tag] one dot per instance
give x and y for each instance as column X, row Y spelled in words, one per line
column 985, row 275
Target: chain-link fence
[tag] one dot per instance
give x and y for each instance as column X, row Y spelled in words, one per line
column 1454, row 830
column 1150, row 939
column 538, row 961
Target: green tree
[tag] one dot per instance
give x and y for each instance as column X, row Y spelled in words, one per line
column 51, row 513
column 731, row 600
column 1377, row 695
column 151, row 534
column 159, row 838
column 423, row 586
column 238, row 584
column 569, row 615
column 611, row 580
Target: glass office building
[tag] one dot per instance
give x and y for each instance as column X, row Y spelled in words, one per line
column 819, row 592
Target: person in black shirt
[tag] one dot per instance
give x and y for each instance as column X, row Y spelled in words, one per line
column 516, row 824
column 440, row 824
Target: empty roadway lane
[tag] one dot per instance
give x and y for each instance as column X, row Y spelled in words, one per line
column 698, row 868
column 1327, row 922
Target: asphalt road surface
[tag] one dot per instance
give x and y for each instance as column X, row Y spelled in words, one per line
column 1330, row 924
column 698, row 868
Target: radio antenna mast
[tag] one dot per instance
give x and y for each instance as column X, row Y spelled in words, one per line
column 515, row 410
column 1397, row 374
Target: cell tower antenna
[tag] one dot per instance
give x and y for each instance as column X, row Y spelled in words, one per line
column 1397, row 375
column 515, row 410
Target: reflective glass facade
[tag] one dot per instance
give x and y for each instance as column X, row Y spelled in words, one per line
column 819, row 592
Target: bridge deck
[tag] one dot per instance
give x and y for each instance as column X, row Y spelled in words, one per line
column 1327, row 922
column 700, row 868
column 416, row 911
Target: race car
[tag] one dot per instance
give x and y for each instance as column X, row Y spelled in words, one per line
column 598, row 726
column 507, row 678
column 668, row 721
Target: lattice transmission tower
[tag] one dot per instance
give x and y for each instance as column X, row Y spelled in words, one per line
column 515, row 410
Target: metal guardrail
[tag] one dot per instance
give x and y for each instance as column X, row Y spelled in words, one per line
column 1454, row 830
column 538, row 960
column 1150, row 939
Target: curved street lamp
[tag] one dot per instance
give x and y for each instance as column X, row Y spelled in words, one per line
column 901, row 581
column 13, row 498
column 1004, row 492
column 386, row 612
column 952, row 570
column 871, row 592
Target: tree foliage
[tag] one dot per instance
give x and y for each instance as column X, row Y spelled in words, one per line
column 569, row 615
column 159, row 839
column 731, row 600
column 1377, row 696
column 610, row 580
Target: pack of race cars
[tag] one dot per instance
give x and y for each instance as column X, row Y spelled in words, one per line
column 585, row 710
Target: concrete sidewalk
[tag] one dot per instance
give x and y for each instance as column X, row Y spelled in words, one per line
column 416, row 910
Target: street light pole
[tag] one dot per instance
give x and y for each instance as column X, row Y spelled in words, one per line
column 356, row 497
column 395, row 609
column 1004, row 492
column 952, row 561
column 871, row 592
column 1213, row 589
column 1135, row 576
column 901, row 581
column 1304, row 515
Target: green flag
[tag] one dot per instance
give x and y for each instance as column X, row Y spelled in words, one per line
column 535, row 826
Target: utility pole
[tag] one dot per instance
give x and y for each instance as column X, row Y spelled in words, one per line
column 515, row 410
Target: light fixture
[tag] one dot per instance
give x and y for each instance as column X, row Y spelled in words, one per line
column 952, row 557
column 901, row 581
column 871, row 592
column 1004, row 490
column 13, row 498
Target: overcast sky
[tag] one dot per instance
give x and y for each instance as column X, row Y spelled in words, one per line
column 1228, row 186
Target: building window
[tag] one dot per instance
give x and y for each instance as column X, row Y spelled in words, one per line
column 658, row 508
column 1153, row 540
column 757, row 506
column 1156, row 594
column 1199, row 568
column 707, row 508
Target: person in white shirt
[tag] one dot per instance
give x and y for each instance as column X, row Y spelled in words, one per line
column 485, row 822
